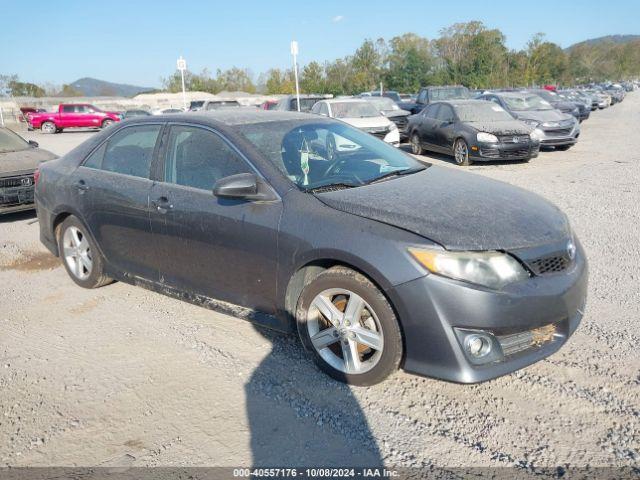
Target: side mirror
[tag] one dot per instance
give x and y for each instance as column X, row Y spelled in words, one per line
column 34, row 144
column 244, row 186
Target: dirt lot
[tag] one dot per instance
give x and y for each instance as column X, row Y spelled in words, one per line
column 123, row 376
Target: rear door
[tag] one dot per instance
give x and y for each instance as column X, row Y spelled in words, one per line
column 427, row 124
column 112, row 191
column 221, row 248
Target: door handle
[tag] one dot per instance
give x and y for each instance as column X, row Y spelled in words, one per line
column 162, row 205
column 82, row 186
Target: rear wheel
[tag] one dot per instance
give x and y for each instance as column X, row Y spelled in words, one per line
column 461, row 152
column 79, row 254
column 349, row 327
column 416, row 145
column 48, row 127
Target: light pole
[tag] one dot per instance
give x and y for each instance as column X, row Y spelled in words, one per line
column 182, row 66
column 294, row 53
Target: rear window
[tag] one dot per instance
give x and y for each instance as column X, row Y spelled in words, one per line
column 305, row 104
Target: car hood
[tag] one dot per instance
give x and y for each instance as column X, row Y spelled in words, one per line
column 12, row 163
column 396, row 113
column 564, row 106
column 458, row 210
column 542, row 115
column 367, row 122
column 503, row 127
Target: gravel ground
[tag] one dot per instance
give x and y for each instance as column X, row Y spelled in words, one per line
column 123, row 376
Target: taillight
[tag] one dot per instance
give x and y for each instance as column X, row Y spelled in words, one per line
column 36, row 176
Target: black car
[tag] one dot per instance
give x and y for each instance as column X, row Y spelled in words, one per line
column 471, row 130
column 19, row 160
column 377, row 260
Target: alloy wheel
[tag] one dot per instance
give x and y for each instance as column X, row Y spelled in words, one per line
column 48, row 127
column 345, row 331
column 461, row 152
column 77, row 253
column 415, row 145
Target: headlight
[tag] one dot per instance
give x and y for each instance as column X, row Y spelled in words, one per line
column 532, row 123
column 393, row 127
column 537, row 134
column 491, row 269
column 486, row 137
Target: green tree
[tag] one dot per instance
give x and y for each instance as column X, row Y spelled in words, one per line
column 312, row 79
column 410, row 63
column 25, row 89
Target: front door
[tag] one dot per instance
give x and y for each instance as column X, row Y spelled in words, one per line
column 221, row 248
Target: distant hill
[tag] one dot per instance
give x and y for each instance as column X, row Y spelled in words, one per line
column 92, row 87
column 608, row 39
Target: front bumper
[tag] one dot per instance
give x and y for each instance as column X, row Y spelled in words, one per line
column 559, row 136
column 430, row 307
column 504, row 151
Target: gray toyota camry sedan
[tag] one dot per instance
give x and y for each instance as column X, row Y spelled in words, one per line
column 379, row 262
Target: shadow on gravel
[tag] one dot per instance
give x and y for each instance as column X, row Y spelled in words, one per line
column 300, row 417
column 18, row 216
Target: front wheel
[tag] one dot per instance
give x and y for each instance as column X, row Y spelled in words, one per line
column 461, row 152
column 79, row 254
column 416, row 145
column 349, row 327
column 48, row 127
column 106, row 123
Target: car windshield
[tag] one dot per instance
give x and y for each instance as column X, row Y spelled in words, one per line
column 305, row 103
column 383, row 104
column 527, row 102
column 482, row 112
column 327, row 155
column 11, row 142
column 361, row 109
column 449, row 93
column 548, row 96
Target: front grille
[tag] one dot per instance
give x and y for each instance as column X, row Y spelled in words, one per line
column 558, row 132
column 514, row 138
column 13, row 182
column 519, row 342
column 554, row 264
column 490, row 152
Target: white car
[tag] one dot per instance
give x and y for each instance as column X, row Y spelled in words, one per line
column 360, row 114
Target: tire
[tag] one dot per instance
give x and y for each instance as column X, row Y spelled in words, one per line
column 461, row 152
column 106, row 123
column 79, row 254
column 339, row 352
column 48, row 128
column 563, row 148
column 416, row 145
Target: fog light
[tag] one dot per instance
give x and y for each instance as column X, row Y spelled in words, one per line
column 478, row 346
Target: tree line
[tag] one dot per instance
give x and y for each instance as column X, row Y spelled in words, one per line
column 464, row 53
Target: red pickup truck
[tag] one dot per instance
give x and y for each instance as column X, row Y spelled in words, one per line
column 71, row 116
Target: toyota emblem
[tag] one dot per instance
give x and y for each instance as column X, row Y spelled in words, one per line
column 516, row 140
column 26, row 182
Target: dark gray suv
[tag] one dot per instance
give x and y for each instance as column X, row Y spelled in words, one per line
column 377, row 260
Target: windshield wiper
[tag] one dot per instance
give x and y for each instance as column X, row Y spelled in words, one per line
column 395, row 173
column 329, row 187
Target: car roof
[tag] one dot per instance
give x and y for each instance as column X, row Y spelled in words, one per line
column 235, row 116
column 456, row 103
column 345, row 100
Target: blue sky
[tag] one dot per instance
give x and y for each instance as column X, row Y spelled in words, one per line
column 138, row 41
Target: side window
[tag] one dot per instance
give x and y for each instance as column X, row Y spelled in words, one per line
column 445, row 113
column 324, row 110
column 432, row 110
column 130, row 151
column 95, row 159
column 81, row 109
column 316, row 108
column 422, row 96
column 68, row 108
column 495, row 100
column 198, row 158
